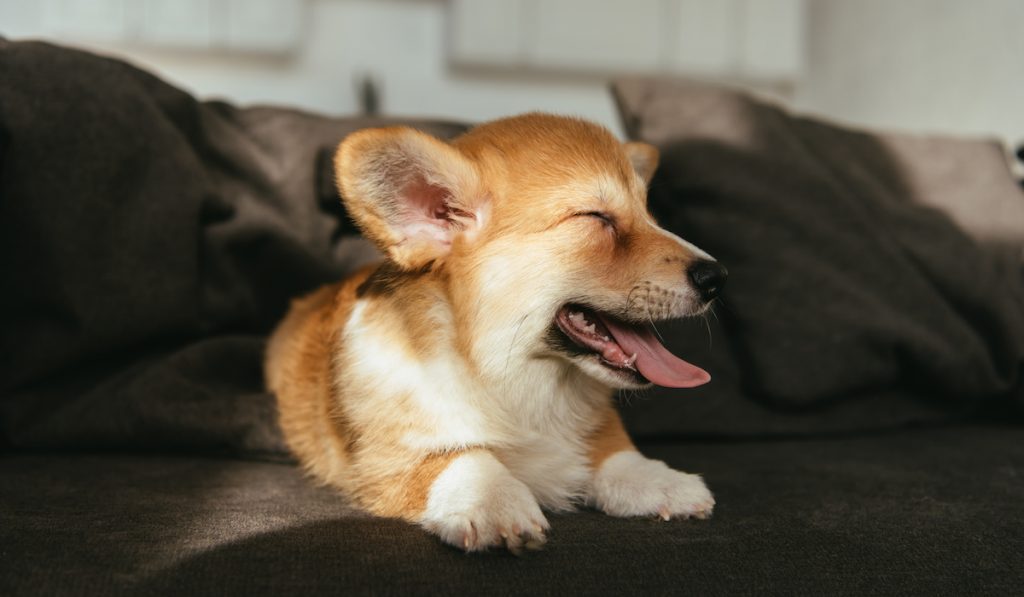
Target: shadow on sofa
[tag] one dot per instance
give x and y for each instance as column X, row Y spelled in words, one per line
column 926, row 511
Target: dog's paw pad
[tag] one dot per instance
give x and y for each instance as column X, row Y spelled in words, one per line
column 627, row 484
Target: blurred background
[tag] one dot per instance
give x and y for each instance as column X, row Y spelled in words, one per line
column 947, row 66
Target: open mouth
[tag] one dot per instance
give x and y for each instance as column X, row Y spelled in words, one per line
column 627, row 349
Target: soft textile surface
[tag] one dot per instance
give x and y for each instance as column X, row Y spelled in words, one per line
column 148, row 242
column 916, row 513
column 876, row 280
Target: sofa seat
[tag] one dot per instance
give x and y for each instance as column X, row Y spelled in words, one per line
column 926, row 511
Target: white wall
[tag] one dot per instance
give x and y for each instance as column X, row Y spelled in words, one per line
column 401, row 42
column 924, row 65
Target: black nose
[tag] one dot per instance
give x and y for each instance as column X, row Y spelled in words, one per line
column 708, row 277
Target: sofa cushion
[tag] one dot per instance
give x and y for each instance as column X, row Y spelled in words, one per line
column 877, row 280
column 148, row 242
column 930, row 511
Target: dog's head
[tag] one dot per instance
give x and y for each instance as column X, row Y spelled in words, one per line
column 537, row 229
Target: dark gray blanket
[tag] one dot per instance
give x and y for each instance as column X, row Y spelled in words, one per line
column 876, row 279
column 149, row 241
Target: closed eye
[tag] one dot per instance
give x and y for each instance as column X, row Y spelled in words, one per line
column 605, row 218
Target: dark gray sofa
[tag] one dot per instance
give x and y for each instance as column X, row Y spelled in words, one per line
column 920, row 512
column 862, row 433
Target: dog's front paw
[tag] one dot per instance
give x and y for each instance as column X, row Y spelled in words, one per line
column 627, row 484
column 476, row 503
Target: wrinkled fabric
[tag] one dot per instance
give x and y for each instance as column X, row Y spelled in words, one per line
column 875, row 279
column 148, row 244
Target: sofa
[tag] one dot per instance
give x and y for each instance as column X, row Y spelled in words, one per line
column 862, row 433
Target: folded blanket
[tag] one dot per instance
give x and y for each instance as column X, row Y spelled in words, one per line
column 876, row 279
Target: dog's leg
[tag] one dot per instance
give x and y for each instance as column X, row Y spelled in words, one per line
column 628, row 484
column 475, row 503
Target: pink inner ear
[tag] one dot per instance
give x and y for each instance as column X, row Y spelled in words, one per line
column 425, row 213
column 425, row 200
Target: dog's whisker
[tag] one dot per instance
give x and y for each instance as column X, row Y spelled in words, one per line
column 657, row 331
column 624, row 397
column 650, row 318
column 512, row 344
column 725, row 306
column 707, row 324
column 629, row 298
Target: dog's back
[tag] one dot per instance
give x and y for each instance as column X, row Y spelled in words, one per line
column 298, row 371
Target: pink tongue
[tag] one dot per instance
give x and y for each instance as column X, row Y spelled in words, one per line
column 653, row 360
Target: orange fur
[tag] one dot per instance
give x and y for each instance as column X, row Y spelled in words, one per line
column 608, row 439
column 403, row 493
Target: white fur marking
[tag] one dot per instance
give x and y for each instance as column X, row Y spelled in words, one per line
column 438, row 389
column 476, row 503
column 628, row 484
column 553, row 466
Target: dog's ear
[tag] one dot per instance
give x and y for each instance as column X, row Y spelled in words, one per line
column 644, row 158
column 408, row 192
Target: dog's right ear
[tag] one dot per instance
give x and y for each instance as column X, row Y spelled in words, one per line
column 643, row 157
column 409, row 192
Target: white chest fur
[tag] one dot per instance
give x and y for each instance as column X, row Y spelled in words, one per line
column 555, row 469
column 431, row 404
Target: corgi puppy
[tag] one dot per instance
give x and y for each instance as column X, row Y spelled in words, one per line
column 466, row 383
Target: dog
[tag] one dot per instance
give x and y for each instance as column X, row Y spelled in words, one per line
column 465, row 384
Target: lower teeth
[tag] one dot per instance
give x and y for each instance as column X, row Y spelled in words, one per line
column 627, row 364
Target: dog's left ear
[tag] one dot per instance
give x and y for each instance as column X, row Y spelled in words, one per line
column 644, row 158
column 409, row 192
